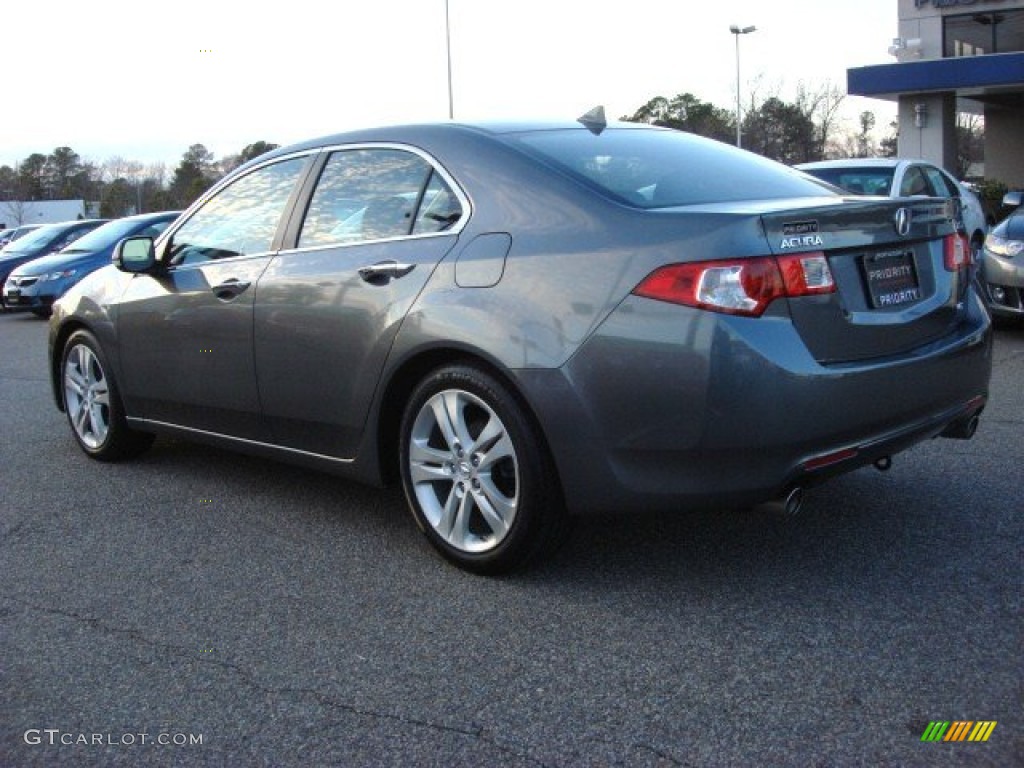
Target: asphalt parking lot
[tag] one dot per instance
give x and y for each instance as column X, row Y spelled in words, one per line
column 197, row 607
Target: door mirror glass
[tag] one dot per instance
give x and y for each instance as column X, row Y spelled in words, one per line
column 134, row 254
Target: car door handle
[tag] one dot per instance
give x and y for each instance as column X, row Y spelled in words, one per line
column 230, row 289
column 385, row 270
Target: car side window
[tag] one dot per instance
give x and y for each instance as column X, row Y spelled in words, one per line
column 440, row 208
column 68, row 238
column 943, row 186
column 241, row 219
column 367, row 194
column 914, row 183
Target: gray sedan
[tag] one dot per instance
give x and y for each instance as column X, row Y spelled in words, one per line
column 520, row 323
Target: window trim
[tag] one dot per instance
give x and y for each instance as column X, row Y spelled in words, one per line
column 302, row 204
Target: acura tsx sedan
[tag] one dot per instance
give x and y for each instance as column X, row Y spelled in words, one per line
column 521, row 323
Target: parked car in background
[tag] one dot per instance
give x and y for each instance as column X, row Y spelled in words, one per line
column 43, row 241
column 36, row 284
column 1002, row 262
column 10, row 235
column 530, row 320
column 900, row 177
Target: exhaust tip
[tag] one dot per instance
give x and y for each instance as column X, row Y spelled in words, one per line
column 788, row 504
column 794, row 501
column 963, row 429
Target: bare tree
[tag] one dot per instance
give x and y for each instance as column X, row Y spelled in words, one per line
column 157, row 173
column 821, row 106
column 970, row 142
column 18, row 210
column 116, row 167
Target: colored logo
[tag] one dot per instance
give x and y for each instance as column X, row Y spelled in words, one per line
column 959, row 730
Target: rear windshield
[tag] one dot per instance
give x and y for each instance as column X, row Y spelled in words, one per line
column 651, row 168
column 859, row 181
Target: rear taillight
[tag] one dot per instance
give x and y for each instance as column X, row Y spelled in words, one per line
column 957, row 252
column 739, row 286
column 806, row 273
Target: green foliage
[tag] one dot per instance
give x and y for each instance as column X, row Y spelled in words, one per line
column 780, row 131
column 30, row 177
column 118, row 199
column 686, row 112
column 196, row 173
column 991, row 192
column 888, row 147
column 256, row 149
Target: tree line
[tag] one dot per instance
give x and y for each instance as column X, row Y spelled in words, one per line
column 798, row 131
column 803, row 130
column 120, row 186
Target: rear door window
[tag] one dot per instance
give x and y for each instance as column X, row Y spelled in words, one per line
column 943, row 186
column 915, row 183
column 377, row 194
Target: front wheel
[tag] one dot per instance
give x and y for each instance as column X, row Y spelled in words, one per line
column 476, row 472
column 92, row 402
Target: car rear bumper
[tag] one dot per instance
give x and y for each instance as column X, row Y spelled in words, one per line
column 672, row 408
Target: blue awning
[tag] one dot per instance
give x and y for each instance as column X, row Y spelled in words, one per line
column 1000, row 70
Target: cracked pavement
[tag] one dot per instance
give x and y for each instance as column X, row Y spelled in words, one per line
column 292, row 618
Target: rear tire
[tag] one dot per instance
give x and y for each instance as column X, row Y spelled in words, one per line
column 92, row 402
column 477, row 474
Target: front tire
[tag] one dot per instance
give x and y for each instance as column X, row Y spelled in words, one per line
column 92, row 402
column 476, row 472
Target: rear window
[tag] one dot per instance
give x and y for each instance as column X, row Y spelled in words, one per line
column 651, row 168
column 858, row 181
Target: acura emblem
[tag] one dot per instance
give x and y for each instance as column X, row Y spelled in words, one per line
column 903, row 222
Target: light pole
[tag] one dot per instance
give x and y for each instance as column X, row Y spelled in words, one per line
column 737, row 31
column 448, row 47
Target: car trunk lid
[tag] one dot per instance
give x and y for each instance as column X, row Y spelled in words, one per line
column 887, row 257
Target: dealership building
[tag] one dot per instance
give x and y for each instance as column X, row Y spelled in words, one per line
column 955, row 56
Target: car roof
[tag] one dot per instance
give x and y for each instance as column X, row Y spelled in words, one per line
column 412, row 133
column 148, row 216
column 858, row 162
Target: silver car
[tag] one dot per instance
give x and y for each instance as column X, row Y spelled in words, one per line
column 1002, row 264
column 520, row 323
column 903, row 177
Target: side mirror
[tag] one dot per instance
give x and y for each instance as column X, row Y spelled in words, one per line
column 1013, row 199
column 134, row 254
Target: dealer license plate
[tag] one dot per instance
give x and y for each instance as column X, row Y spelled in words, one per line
column 891, row 279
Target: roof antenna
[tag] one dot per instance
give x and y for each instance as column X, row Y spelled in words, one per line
column 594, row 121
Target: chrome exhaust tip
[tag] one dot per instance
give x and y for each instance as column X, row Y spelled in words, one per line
column 789, row 503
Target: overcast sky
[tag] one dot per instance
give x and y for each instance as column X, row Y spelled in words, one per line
column 144, row 81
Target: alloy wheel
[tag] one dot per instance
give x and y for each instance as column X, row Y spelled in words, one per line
column 464, row 471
